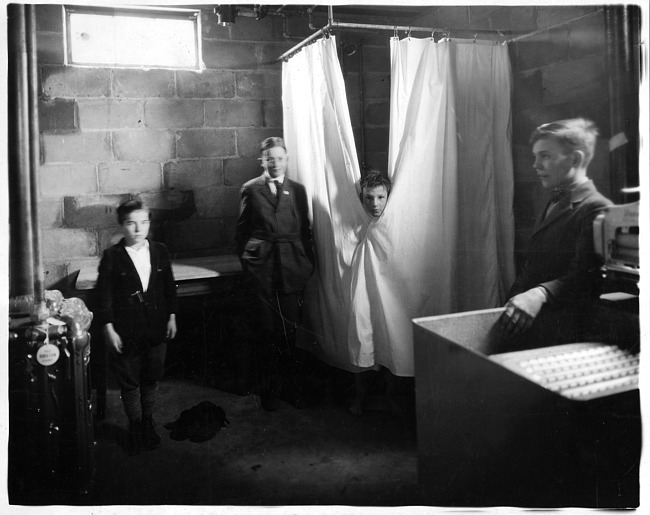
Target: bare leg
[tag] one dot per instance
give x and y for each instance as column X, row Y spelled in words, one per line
column 395, row 404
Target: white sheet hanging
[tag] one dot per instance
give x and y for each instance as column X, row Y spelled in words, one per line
column 322, row 156
column 404, row 266
column 374, row 276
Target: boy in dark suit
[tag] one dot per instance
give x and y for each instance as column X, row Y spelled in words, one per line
column 274, row 243
column 137, row 313
column 561, row 279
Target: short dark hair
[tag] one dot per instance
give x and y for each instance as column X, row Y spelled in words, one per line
column 126, row 208
column 373, row 179
column 271, row 142
column 573, row 134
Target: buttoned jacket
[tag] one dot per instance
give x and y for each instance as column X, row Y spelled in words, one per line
column 135, row 315
column 561, row 255
column 273, row 236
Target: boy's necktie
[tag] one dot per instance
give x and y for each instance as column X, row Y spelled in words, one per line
column 556, row 195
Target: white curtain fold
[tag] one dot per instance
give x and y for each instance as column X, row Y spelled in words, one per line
column 404, row 265
column 439, row 245
column 322, row 156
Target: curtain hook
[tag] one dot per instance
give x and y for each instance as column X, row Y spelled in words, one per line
column 409, row 33
column 475, row 34
column 395, row 34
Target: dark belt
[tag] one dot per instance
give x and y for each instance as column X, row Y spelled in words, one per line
column 142, row 297
column 277, row 237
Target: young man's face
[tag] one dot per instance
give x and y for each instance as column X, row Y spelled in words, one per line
column 552, row 164
column 274, row 161
column 136, row 227
column 374, row 200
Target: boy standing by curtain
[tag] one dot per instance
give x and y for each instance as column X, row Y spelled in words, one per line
column 274, row 243
column 137, row 313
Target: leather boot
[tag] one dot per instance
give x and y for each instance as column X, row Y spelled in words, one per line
column 134, row 438
column 150, row 437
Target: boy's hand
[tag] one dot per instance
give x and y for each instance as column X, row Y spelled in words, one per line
column 171, row 327
column 113, row 339
column 521, row 311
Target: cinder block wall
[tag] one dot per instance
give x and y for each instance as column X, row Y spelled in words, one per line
column 184, row 141
column 365, row 63
column 559, row 73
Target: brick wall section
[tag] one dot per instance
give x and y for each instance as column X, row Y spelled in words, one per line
column 109, row 133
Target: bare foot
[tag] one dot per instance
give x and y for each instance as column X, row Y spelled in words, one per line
column 360, row 389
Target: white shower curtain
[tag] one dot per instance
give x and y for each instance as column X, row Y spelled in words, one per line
column 323, row 157
column 374, row 276
column 482, row 88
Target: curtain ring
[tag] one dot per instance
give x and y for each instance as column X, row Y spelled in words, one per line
column 395, row 34
column 409, row 33
column 475, row 34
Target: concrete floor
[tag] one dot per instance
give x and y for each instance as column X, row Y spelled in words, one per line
column 320, row 455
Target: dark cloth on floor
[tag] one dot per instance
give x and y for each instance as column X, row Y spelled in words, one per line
column 199, row 424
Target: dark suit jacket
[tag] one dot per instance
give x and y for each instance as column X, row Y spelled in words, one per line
column 273, row 236
column 561, row 258
column 117, row 283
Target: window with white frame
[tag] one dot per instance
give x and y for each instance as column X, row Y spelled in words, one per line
column 133, row 37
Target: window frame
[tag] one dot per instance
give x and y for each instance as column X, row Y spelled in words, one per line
column 193, row 15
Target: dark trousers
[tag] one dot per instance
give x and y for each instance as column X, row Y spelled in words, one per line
column 275, row 356
column 138, row 365
column 137, row 372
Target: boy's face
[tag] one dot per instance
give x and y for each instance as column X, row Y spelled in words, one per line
column 274, row 161
column 136, row 227
column 554, row 166
column 374, row 200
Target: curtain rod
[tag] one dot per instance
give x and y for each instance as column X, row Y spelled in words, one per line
column 331, row 24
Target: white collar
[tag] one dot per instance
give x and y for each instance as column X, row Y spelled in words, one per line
column 268, row 177
column 577, row 183
column 144, row 247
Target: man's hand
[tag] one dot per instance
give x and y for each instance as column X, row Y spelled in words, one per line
column 521, row 311
column 113, row 339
